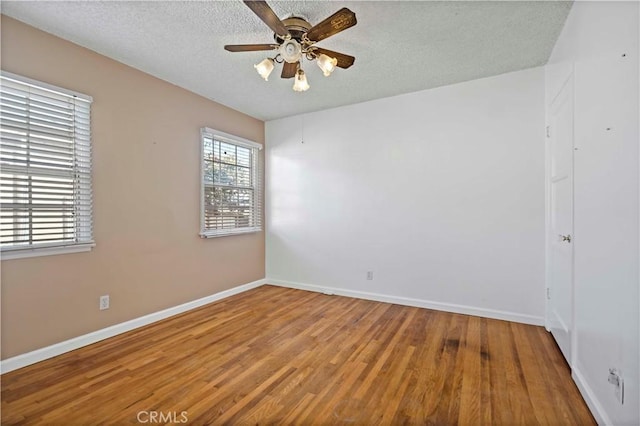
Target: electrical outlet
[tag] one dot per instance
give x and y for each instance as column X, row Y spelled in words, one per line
column 369, row 275
column 104, row 302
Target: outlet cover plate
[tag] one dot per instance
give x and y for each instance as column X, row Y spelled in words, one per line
column 104, row 302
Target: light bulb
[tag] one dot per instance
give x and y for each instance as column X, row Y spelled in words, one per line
column 327, row 64
column 264, row 68
column 300, row 84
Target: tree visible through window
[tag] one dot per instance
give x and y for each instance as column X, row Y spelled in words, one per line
column 231, row 185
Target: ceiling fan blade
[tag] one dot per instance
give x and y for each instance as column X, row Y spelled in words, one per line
column 339, row 21
column 344, row 61
column 268, row 16
column 289, row 70
column 249, row 47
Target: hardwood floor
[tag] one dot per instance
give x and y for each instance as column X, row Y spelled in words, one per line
column 276, row 355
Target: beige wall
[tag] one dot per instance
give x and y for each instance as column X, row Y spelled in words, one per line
column 146, row 202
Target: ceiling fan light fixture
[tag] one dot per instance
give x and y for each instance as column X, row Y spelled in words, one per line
column 291, row 51
column 327, row 64
column 295, row 40
column 300, row 84
column 265, row 68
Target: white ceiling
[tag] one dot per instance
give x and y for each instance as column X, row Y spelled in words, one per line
column 400, row 46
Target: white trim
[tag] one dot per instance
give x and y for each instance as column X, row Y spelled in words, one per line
column 419, row 303
column 214, row 233
column 46, row 86
column 38, row 355
column 20, row 253
column 227, row 137
column 547, row 218
column 590, row 398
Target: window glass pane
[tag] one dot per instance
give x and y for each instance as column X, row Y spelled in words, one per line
column 227, row 207
column 208, row 149
column 244, row 176
column 245, row 201
column 244, row 156
column 209, row 171
column 227, row 175
column 216, row 150
column 245, row 207
column 227, row 153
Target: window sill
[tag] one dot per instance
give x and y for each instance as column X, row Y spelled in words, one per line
column 228, row 232
column 21, row 253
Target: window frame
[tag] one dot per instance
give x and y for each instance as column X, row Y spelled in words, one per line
column 257, row 183
column 54, row 248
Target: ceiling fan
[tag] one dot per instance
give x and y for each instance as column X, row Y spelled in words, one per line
column 295, row 40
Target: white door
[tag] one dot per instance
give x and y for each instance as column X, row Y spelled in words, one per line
column 560, row 232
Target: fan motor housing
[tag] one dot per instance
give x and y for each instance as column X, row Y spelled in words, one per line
column 296, row 25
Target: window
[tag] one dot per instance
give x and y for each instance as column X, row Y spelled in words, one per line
column 45, row 169
column 231, row 185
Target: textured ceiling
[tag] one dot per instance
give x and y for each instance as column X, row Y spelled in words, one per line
column 399, row 46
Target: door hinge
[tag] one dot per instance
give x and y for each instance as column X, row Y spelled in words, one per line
column 548, row 131
column 548, row 293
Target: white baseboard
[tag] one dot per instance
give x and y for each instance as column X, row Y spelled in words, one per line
column 590, row 398
column 38, row 355
column 419, row 303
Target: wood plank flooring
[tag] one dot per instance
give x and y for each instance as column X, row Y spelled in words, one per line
column 281, row 356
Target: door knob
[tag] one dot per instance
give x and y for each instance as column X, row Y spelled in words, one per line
column 566, row 238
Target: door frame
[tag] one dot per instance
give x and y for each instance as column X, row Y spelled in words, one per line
column 568, row 77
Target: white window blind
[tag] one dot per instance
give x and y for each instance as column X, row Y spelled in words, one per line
column 231, row 185
column 45, row 166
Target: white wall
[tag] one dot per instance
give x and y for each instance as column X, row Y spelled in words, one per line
column 439, row 192
column 606, row 193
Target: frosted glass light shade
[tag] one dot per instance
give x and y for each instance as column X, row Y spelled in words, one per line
column 327, row 64
column 300, row 84
column 264, row 68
